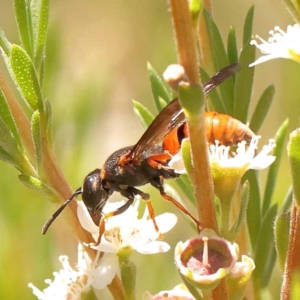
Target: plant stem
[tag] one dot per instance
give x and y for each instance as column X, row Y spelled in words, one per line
column 185, row 34
column 188, row 58
column 186, row 40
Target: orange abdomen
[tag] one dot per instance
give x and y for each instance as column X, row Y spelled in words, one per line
column 226, row 129
column 223, row 128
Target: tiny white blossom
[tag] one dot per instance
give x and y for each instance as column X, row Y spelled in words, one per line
column 280, row 45
column 243, row 158
column 69, row 283
column 127, row 231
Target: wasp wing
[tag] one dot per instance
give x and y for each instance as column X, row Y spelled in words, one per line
column 172, row 116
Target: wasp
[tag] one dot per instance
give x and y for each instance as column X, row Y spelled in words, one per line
column 147, row 160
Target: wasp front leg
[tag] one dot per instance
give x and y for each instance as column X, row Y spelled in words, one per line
column 106, row 216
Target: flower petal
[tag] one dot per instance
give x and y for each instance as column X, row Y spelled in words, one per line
column 106, row 271
column 152, row 247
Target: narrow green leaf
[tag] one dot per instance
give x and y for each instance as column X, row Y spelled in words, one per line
column 254, row 210
column 269, row 267
column 243, row 84
column 8, row 119
column 8, row 158
column 262, row 108
column 186, row 156
column 220, row 61
column 48, row 114
column 40, row 16
column 213, row 98
column 232, row 51
column 273, row 170
column 37, row 138
column 186, row 186
column 288, row 199
column 243, row 211
column 4, row 43
column 294, row 13
column 293, row 150
column 7, row 141
column 162, row 102
column 247, row 34
column 37, row 185
column 143, row 114
column 281, row 233
column 264, row 247
column 23, row 16
column 159, row 90
column 25, row 76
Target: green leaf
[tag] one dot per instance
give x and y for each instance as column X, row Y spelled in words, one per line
column 7, row 141
column 186, row 186
column 220, row 61
column 273, row 170
column 159, row 90
column 37, row 185
column 4, row 43
column 48, row 114
column 8, row 158
column 254, row 210
column 295, row 14
column 23, row 16
column 294, row 160
column 232, row 51
column 281, row 233
column 25, row 76
column 247, row 34
column 243, row 84
column 8, row 119
column 288, row 199
column 143, row 114
column 40, row 16
column 264, row 248
column 37, row 138
column 262, row 108
column 243, row 211
column 215, row 102
column 186, row 156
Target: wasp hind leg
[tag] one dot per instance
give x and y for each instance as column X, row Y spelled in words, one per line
column 158, row 184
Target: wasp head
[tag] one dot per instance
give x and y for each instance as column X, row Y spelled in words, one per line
column 94, row 194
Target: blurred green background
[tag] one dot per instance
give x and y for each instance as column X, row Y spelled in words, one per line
column 96, row 63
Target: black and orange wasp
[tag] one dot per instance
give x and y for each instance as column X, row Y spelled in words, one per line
column 147, row 161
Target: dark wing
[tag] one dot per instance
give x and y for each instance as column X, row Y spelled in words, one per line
column 172, row 116
column 168, row 119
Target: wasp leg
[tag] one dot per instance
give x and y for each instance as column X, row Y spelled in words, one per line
column 146, row 197
column 159, row 186
column 119, row 211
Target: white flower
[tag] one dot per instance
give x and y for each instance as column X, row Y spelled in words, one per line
column 280, row 45
column 69, row 283
column 127, row 231
column 243, row 158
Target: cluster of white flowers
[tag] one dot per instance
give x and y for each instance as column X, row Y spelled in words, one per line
column 280, row 45
column 123, row 231
column 244, row 157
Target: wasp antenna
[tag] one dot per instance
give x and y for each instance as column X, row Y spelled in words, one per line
column 56, row 214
